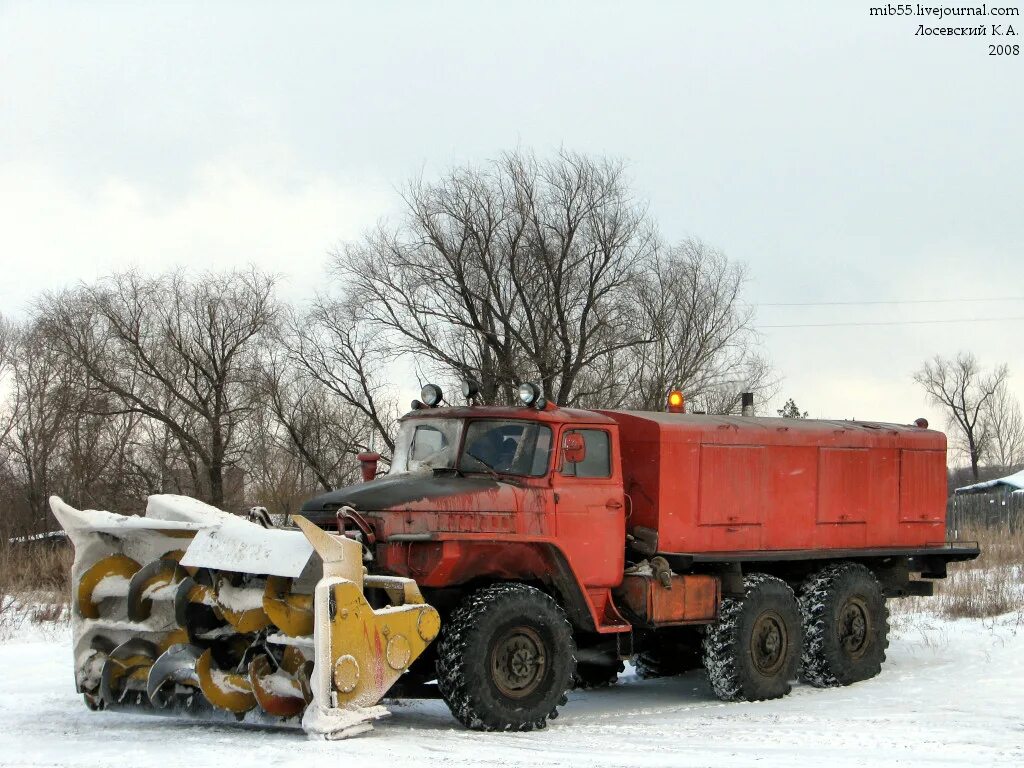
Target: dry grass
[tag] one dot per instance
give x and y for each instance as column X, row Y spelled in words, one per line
column 37, row 576
column 992, row 585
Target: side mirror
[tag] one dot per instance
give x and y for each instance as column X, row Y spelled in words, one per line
column 574, row 450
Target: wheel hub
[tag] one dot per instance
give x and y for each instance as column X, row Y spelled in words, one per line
column 518, row 662
column 769, row 642
column 854, row 627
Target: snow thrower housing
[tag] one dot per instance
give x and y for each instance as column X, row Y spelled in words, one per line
column 542, row 546
column 189, row 610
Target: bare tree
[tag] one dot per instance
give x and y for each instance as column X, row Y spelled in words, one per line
column 299, row 446
column 518, row 270
column 961, row 388
column 179, row 351
column 1006, row 428
column 6, row 336
column 52, row 441
column 41, row 403
column 340, row 360
column 310, row 423
column 754, row 375
column 697, row 337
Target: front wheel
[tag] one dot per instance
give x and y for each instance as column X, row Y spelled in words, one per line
column 506, row 658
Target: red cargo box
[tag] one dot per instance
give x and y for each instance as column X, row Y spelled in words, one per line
column 733, row 484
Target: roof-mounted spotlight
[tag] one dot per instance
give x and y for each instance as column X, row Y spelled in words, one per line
column 470, row 389
column 529, row 393
column 431, row 395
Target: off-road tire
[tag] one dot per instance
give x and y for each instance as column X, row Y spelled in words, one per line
column 846, row 626
column 751, row 653
column 589, row 675
column 666, row 661
column 486, row 649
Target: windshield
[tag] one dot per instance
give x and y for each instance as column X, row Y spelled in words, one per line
column 426, row 444
column 491, row 445
column 511, row 447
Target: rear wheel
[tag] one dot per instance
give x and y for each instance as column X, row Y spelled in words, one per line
column 667, row 660
column 846, row 626
column 506, row 658
column 751, row 652
column 591, row 675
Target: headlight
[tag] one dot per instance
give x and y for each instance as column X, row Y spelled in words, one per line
column 528, row 393
column 431, row 395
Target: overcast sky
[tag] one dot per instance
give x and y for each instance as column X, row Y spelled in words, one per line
column 839, row 156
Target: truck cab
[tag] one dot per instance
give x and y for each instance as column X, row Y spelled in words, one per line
column 477, row 494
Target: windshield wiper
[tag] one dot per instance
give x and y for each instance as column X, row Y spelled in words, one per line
column 487, row 466
column 454, row 470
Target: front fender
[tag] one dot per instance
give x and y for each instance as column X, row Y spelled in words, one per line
column 453, row 562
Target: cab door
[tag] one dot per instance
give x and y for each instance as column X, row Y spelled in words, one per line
column 590, row 514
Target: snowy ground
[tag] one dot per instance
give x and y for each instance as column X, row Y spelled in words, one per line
column 952, row 693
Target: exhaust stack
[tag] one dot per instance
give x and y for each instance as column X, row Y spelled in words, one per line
column 747, row 403
column 368, row 465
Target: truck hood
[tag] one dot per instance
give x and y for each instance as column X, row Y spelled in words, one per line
column 416, row 491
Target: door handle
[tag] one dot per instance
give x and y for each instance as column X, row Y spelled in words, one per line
column 614, row 504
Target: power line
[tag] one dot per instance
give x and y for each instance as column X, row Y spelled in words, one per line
column 894, row 301
column 895, row 322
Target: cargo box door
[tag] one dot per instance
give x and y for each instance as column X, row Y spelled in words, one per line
column 732, row 485
column 922, row 486
column 845, row 478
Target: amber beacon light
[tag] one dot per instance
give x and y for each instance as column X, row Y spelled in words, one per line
column 676, row 402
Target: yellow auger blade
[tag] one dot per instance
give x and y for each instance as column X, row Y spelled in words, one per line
column 244, row 620
column 190, row 592
column 251, row 620
column 150, row 577
column 112, row 567
column 292, row 614
column 176, row 665
column 278, row 693
column 226, row 690
column 174, row 637
column 242, row 606
column 127, row 663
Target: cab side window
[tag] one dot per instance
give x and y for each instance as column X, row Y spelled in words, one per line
column 597, row 461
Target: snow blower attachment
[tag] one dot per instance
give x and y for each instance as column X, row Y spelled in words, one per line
column 189, row 610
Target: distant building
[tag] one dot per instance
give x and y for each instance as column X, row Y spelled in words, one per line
column 1001, row 485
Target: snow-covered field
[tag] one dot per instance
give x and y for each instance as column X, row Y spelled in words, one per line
column 952, row 693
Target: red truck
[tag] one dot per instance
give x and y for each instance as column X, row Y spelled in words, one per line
column 557, row 543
